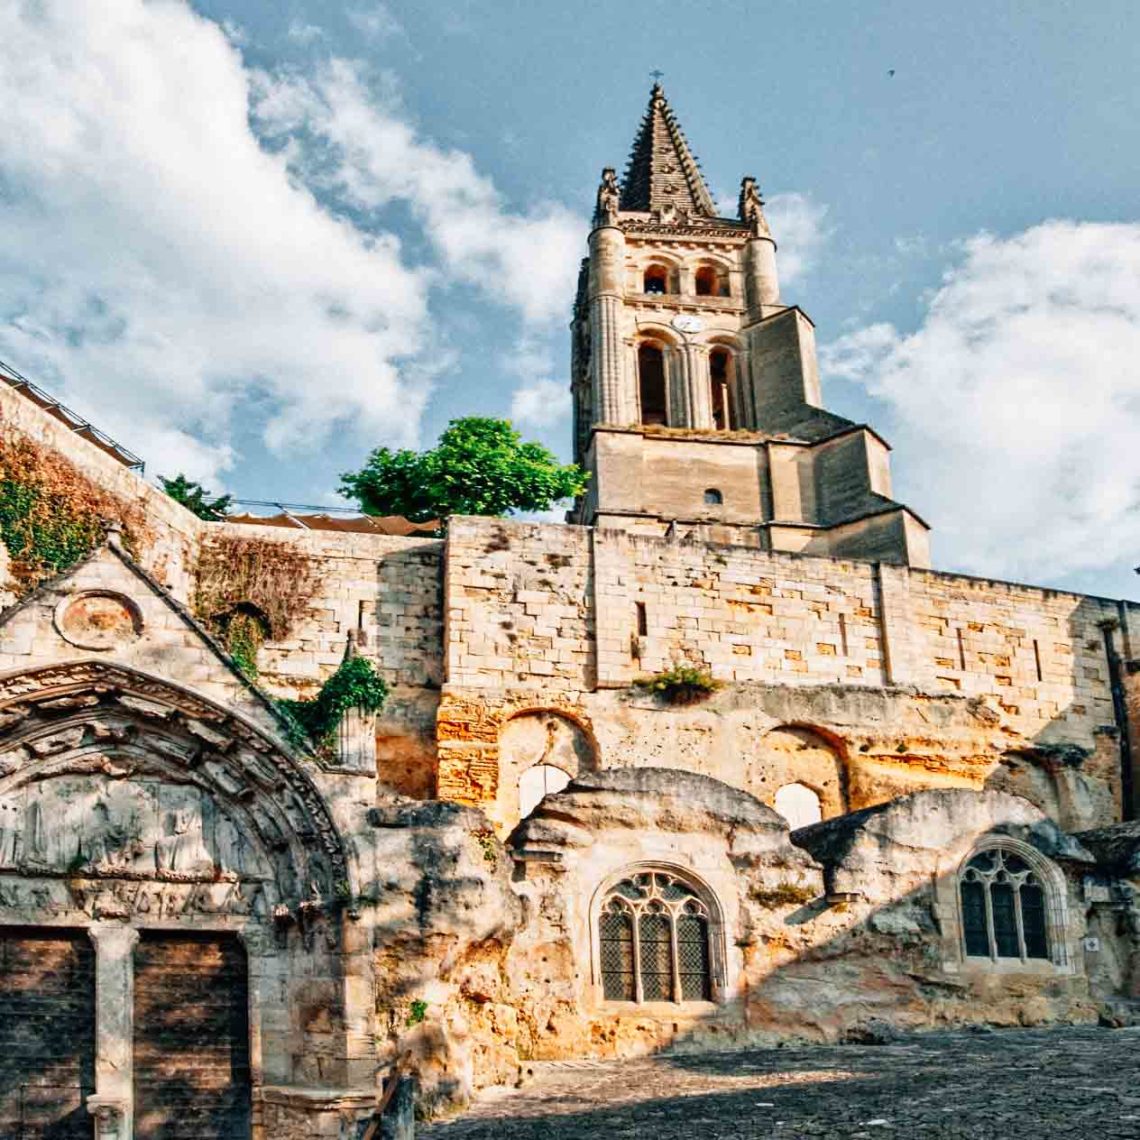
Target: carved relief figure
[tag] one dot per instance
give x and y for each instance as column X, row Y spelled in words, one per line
column 181, row 848
column 609, row 198
column 11, row 824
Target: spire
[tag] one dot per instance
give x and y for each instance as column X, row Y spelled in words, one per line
column 662, row 171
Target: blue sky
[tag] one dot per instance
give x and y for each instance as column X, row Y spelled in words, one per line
column 253, row 240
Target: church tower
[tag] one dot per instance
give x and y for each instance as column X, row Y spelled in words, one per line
column 697, row 405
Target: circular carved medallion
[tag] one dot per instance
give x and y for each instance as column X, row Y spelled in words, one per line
column 98, row 619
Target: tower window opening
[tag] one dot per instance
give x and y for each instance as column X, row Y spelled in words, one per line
column 720, row 375
column 709, row 281
column 713, row 498
column 651, row 384
column 656, row 279
column 642, row 619
column 706, row 281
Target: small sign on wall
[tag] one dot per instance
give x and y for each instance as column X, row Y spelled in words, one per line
column 1092, row 945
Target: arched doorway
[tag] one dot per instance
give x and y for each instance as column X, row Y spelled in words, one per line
column 187, row 850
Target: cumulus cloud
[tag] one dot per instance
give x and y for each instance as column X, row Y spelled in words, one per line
column 541, row 404
column 364, row 150
column 376, row 21
column 1017, row 401
column 799, row 225
column 159, row 266
column 165, row 266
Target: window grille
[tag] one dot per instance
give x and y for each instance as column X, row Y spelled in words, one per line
column 1003, row 908
column 654, row 941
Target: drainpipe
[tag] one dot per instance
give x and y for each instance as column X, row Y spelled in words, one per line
column 1120, row 713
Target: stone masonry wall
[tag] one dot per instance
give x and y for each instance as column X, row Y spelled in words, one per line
column 543, row 617
column 528, row 604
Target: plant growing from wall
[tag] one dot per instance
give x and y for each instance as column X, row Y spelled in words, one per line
column 249, row 589
column 479, row 467
column 194, row 497
column 52, row 515
column 355, row 685
column 243, row 634
column 681, row 684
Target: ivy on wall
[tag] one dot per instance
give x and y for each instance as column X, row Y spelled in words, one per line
column 355, row 685
column 51, row 515
column 250, row 589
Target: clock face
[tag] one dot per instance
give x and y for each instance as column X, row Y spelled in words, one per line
column 688, row 324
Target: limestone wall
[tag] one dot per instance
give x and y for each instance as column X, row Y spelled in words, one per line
column 528, row 605
column 915, row 679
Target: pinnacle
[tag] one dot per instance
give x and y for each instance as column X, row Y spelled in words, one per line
column 662, row 170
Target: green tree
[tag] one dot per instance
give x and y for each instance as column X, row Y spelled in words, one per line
column 194, row 497
column 479, row 467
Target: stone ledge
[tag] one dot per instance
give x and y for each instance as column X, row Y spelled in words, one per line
column 317, row 1099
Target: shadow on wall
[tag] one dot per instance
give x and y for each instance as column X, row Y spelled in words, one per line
column 873, row 926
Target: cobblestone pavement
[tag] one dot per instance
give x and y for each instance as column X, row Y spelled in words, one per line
column 1000, row 1085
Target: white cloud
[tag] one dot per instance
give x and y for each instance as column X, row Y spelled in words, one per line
column 375, row 21
column 800, row 228
column 163, row 272
column 304, row 33
column 1017, row 402
column 541, row 404
column 159, row 268
column 367, row 152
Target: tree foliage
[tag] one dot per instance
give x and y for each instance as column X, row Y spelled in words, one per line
column 479, row 467
column 194, row 497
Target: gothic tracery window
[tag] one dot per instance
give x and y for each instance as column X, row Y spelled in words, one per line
column 1003, row 907
column 654, row 941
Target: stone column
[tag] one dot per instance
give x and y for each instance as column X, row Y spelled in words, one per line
column 607, row 270
column 630, row 398
column 112, row 1103
column 677, row 385
column 762, row 284
column 700, row 391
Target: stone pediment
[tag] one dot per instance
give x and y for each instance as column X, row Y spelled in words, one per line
column 108, row 608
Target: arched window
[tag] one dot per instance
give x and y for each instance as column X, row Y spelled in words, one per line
column 651, row 384
column 1003, row 907
column 713, row 498
column 539, row 781
column 799, row 805
column 720, row 375
column 656, row 279
column 709, row 281
column 654, row 944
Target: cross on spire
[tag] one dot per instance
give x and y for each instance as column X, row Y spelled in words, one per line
column 657, row 76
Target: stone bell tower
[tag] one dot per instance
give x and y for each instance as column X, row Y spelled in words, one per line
column 697, row 404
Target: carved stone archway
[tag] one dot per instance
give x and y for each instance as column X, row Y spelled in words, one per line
column 131, row 805
column 96, row 730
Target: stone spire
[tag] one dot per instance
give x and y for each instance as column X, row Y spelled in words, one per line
column 662, row 171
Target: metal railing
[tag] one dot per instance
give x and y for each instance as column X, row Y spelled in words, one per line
column 60, row 411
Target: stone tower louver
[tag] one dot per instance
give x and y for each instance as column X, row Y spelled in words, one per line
column 697, row 401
